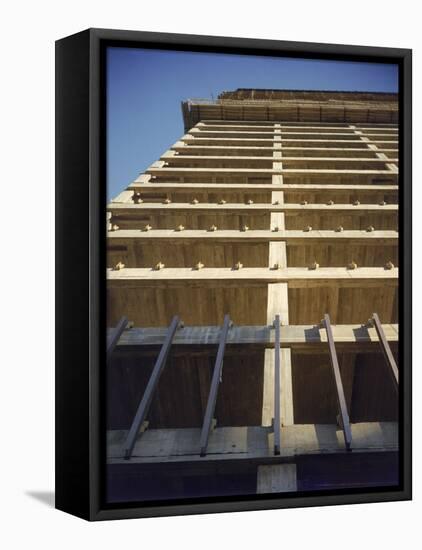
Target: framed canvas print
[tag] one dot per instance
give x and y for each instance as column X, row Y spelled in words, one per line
column 233, row 274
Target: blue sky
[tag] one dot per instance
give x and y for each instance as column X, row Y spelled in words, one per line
column 145, row 88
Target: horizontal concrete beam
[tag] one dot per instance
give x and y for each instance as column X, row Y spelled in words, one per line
column 259, row 187
column 249, row 442
column 185, row 148
column 202, row 133
column 291, row 336
column 296, row 277
column 190, row 139
column 286, row 160
column 291, row 237
column 288, row 207
column 287, row 124
column 294, row 126
column 172, row 171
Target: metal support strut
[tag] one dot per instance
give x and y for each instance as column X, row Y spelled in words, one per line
column 115, row 336
column 341, row 400
column 145, row 403
column 385, row 346
column 215, row 382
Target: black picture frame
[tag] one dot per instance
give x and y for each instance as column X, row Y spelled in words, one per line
column 80, row 264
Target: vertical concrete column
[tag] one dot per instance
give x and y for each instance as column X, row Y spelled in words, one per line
column 277, row 303
column 277, row 478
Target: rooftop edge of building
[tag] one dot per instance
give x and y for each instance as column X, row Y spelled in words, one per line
column 295, row 94
column 256, row 105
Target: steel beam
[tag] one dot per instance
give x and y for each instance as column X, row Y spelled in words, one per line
column 394, row 371
column 145, row 403
column 344, row 415
column 277, row 419
column 114, row 336
column 215, row 382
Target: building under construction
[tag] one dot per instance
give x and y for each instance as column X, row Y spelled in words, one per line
column 252, row 297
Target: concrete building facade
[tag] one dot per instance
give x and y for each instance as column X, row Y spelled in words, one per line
column 252, row 301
